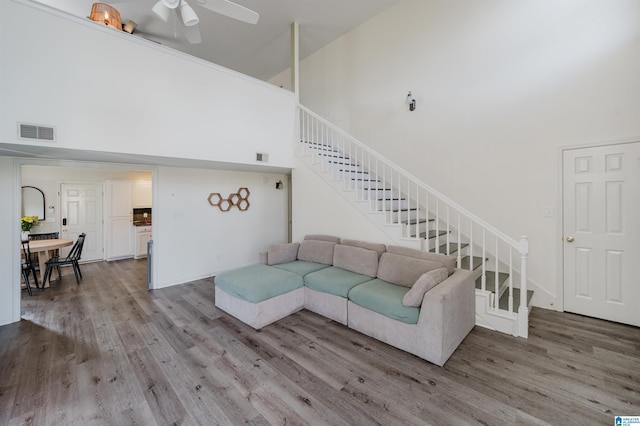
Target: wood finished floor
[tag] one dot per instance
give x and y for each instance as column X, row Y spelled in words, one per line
column 109, row 352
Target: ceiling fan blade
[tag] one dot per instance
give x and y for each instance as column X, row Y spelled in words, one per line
column 231, row 9
column 192, row 34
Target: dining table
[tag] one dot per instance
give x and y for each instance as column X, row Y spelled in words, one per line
column 46, row 249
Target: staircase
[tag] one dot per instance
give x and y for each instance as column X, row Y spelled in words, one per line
column 415, row 215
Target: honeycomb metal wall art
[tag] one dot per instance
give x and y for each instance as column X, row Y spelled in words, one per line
column 239, row 199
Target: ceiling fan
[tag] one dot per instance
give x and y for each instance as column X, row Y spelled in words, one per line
column 165, row 9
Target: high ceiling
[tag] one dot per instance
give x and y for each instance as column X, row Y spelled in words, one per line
column 261, row 50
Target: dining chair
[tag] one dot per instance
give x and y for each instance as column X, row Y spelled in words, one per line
column 27, row 266
column 44, row 236
column 72, row 259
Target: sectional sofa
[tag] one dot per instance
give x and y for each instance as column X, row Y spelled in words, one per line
column 413, row 300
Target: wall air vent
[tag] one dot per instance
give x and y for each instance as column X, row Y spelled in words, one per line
column 262, row 157
column 28, row 131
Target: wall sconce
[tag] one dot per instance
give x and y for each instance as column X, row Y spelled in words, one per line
column 411, row 102
column 105, row 14
column 279, row 184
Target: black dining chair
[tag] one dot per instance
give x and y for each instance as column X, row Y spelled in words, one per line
column 28, row 266
column 43, row 236
column 72, row 259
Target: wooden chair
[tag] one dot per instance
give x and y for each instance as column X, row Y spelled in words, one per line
column 27, row 266
column 44, row 236
column 72, row 259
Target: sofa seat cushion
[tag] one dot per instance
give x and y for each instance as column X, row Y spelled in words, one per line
column 384, row 298
column 256, row 283
column 301, row 267
column 334, row 280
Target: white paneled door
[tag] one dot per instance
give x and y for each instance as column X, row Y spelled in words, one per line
column 81, row 211
column 602, row 232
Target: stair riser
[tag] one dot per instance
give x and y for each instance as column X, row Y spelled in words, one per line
column 354, row 175
column 345, row 166
column 391, row 205
column 401, row 216
column 322, row 148
column 415, row 229
column 368, row 184
column 380, row 194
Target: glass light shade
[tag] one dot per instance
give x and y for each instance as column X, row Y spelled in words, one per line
column 161, row 10
column 106, row 14
column 189, row 17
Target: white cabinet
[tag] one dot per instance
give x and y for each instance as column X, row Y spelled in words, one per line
column 119, row 243
column 142, row 195
column 142, row 237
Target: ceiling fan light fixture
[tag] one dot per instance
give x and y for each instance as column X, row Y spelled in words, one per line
column 171, row 4
column 161, row 10
column 189, row 17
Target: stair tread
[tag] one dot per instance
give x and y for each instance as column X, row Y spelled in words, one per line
column 490, row 280
column 453, row 247
column 503, row 303
column 416, row 221
column 432, row 234
column 477, row 262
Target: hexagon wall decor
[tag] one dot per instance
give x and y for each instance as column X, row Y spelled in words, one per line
column 239, row 199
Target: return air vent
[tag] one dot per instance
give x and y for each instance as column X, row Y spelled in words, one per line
column 262, row 157
column 36, row 132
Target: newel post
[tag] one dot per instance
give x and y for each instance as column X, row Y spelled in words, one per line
column 523, row 309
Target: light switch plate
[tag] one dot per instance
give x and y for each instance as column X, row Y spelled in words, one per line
column 548, row 212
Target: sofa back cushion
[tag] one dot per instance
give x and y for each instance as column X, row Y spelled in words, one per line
column 356, row 259
column 377, row 247
column 426, row 282
column 403, row 270
column 316, row 251
column 448, row 262
column 320, row 237
column 282, row 253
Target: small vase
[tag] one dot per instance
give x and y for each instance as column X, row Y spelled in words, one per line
column 24, row 236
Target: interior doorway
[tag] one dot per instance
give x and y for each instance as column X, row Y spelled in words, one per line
column 601, row 231
column 75, row 200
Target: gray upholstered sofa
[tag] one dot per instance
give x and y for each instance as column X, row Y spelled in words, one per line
column 413, row 300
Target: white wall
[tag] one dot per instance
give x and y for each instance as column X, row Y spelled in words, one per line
column 319, row 209
column 109, row 91
column 501, row 86
column 9, row 253
column 193, row 240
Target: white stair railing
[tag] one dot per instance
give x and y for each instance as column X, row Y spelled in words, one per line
column 423, row 215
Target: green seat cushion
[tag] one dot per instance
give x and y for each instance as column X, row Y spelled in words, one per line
column 301, row 267
column 386, row 299
column 333, row 280
column 255, row 283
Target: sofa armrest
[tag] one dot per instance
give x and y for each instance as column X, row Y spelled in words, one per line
column 447, row 315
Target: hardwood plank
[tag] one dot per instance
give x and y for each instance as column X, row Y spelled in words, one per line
column 110, row 352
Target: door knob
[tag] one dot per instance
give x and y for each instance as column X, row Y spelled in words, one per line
column 569, row 239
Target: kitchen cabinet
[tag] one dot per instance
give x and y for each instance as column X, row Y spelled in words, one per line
column 142, row 237
column 119, row 243
column 142, row 195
